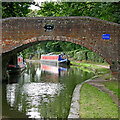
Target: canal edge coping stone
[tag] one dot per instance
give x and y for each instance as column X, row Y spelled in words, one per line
column 75, row 105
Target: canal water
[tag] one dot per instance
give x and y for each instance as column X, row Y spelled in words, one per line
column 42, row 91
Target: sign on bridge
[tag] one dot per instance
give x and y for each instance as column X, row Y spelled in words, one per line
column 106, row 36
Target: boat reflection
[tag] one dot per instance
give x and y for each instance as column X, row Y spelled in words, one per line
column 52, row 73
column 54, row 69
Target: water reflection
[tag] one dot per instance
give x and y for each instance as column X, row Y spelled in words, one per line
column 33, row 95
column 53, row 72
column 44, row 91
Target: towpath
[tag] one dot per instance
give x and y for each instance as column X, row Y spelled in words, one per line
column 98, row 83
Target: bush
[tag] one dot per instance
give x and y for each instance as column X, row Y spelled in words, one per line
column 85, row 55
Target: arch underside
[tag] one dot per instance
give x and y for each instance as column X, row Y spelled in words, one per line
column 33, row 41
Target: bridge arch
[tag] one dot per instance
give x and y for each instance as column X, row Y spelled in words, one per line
column 34, row 41
column 21, row 32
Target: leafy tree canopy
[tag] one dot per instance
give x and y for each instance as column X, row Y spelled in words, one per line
column 15, row 9
column 104, row 10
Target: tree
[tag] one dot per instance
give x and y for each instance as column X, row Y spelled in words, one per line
column 33, row 13
column 15, row 9
column 104, row 10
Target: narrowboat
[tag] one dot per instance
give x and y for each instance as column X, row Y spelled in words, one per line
column 55, row 59
column 18, row 67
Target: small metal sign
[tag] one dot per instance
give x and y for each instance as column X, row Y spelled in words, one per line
column 49, row 27
column 106, row 36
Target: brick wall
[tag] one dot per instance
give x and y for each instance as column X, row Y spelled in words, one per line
column 19, row 33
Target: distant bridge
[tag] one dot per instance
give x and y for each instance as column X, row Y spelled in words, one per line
column 18, row 33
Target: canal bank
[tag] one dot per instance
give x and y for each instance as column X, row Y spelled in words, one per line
column 80, row 109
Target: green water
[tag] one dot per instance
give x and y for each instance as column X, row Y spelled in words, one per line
column 41, row 91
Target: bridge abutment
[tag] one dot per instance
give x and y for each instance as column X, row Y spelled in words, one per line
column 115, row 69
column 9, row 58
column 5, row 60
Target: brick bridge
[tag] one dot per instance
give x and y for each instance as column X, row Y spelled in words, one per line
column 21, row 32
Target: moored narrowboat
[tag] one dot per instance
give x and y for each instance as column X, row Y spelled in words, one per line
column 18, row 67
column 55, row 59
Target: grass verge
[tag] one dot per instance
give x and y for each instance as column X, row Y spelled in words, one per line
column 113, row 86
column 97, row 70
column 96, row 104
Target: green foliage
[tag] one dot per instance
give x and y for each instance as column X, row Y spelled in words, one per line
column 55, row 46
column 104, row 10
column 36, row 49
column 15, row 9
column 85, row 54
column 97, row 70
column 33, row 13
column 52, row 46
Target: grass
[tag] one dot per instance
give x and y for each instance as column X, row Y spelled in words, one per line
column 96, row 63
column 94, row 68
column 96, row 104
column 113, row 86
column 87, row 69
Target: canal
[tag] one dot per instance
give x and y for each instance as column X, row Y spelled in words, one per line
column 42, row 91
